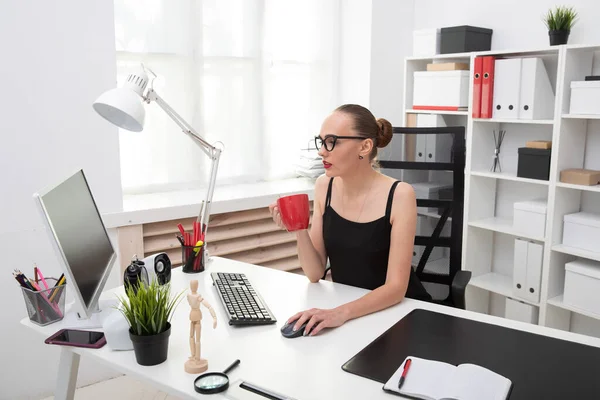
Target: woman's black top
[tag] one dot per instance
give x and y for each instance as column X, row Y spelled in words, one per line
column 358, row 251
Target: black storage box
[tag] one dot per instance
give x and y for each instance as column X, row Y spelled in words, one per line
column 534, row 163
column 446, row 194
column 465, row 38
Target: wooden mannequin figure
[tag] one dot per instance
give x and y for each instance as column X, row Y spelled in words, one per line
column 195, row 364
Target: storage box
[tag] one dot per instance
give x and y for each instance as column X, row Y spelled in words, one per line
column 582, row 285
column 465, row 38
column 534, row 163
column 582, row 230
column 426, row 42
column 429, row 190
column 446, row 194
column 441, row 90
column 519, row 311
column 585, row 97
column 586, row 177
column 539, row 144
column 529, row 218
column 448, row 67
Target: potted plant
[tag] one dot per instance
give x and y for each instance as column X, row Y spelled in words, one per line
column 559, row 23
column 148, row 309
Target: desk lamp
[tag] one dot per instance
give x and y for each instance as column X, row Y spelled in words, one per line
column 124, row 108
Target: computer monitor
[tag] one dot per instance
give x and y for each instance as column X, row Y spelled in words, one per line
column 79, row 239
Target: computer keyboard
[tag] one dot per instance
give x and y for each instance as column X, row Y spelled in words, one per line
column 243, row 304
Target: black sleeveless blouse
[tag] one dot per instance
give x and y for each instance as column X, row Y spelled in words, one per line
column 358, row 251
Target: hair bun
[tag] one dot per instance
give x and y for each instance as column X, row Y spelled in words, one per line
column 385, row 132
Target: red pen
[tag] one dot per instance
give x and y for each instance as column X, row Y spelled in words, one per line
column 406, row 367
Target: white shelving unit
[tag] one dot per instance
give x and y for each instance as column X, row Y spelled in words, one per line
column 488, row 235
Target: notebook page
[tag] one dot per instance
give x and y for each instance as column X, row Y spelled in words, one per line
column 472, row 382
column 425, row 379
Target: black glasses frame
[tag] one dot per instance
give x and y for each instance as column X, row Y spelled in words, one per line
column 335, row 139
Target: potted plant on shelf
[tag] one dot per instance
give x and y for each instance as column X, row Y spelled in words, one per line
column 559, row 23
column 148, row 309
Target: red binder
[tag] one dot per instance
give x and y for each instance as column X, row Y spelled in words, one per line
column 477, row 87
column 487, row 86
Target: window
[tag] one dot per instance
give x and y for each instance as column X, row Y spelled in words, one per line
column 257, row 75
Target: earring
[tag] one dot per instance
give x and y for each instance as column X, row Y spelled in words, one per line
column 360, row 157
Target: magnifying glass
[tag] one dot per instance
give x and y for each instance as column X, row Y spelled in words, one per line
column 214, row 382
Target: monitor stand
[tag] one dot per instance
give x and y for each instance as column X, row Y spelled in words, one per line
column 104, row 309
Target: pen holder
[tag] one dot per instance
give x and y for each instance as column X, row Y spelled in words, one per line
column 192, row 258
column 45, row 306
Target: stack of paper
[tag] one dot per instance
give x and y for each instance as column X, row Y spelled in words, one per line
column 309, row 164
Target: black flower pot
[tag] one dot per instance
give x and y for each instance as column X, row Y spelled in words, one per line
column 558, row 37
column 153, row 349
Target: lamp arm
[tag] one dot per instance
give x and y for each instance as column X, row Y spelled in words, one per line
column 211, row 151
column 206, row 147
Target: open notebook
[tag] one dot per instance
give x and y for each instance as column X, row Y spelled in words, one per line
column 435, row 380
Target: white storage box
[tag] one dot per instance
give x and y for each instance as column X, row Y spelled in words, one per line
column 529, row 218
column 441, row 90
column 426, row 42
column 519, row 311
column 585, row 97
column 429, row 190
column 582, row 285
column 582, row 230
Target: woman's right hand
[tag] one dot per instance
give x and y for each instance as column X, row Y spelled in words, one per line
column 276, row 215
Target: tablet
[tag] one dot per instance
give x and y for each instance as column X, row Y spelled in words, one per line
column 77, row 338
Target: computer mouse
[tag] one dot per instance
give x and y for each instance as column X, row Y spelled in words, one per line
column 288, row 330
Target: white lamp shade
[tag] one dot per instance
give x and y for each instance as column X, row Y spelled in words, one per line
column 122, row 107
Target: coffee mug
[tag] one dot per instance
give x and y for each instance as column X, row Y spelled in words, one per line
column 294, row 211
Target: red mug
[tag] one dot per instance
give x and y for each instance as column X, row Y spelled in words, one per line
column 294, row 211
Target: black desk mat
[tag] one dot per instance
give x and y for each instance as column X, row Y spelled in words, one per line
column 539, row 367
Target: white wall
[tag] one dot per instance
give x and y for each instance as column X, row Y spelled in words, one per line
column 391, row 32
column 355, row 51
column 375, row 38
column 57, row 57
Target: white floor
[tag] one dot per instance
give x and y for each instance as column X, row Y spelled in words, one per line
column 122, row 388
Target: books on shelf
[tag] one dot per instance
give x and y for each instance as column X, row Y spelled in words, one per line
column 436, row 380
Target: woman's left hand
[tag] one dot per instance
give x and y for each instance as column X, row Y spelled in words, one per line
column 318, row 319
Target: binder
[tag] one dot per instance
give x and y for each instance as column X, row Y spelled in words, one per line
column 487, row 86
column 507, row 88
column 520, row 268
column 478, row 70
column 438, row 148
column 534, row 271
column 421, row 147
column 536, row 95
column 426, row 121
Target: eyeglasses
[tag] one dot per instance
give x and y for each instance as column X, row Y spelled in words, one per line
column 329, row 141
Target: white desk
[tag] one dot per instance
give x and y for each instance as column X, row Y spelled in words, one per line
column 305, row 368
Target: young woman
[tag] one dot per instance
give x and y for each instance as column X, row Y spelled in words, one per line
column 363, row 221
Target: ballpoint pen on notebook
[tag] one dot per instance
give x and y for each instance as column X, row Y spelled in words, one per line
column 404, row 372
